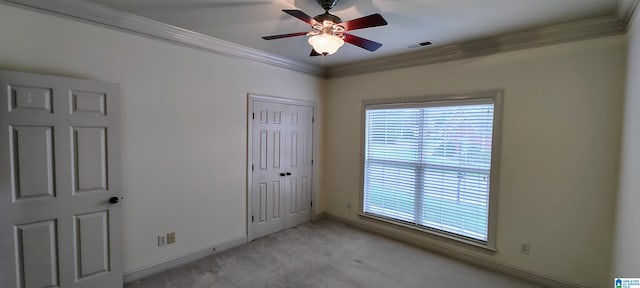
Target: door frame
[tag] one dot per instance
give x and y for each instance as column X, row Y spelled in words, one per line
column 251, row 97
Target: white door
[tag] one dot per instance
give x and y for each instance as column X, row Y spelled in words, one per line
column 59, row 182
column 281, row 173
column 268, row 173
column 298, row 158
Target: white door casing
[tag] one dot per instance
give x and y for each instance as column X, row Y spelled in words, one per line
column 59, row 170
column 280, row 164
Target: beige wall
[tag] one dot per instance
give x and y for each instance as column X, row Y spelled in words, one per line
column 560, row 138
column 184, row 124
column 627, row 246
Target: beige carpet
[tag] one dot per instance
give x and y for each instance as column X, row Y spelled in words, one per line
column 331, row 255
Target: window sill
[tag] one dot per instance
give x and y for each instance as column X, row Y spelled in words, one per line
column 392, row 223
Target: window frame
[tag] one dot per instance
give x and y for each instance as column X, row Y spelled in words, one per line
column 441, row 100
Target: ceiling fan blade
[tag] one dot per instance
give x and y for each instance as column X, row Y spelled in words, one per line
column 314, row 53
column 300, row 15
column 362, row 43
column 372, row 20
column 272, row 37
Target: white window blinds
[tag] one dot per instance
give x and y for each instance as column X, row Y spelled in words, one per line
column 430, row 165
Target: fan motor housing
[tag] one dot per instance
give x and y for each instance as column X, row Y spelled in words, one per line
column 327, row 4
column 327, row 16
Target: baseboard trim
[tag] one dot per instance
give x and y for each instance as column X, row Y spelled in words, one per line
column 147, row 271
column 388, row 231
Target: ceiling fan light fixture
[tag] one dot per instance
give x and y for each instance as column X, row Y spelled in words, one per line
column 326, row 44
column 328, row 32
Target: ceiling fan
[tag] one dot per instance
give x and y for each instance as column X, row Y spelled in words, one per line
column 329, row 33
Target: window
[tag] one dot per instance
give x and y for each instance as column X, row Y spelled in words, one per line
column 430, row 164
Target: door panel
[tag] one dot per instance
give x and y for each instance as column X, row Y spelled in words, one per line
column 88, row 102
column 277, row 200
column 37, row 256
column 303, row 199
column 60, row 146
column 292, row 202
column 276, row 147
column 29, row 98
column 293, row 149
column 92, row 244
column 89, row 153
column 31, row 154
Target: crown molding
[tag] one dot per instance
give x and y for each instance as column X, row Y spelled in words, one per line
column 98, row 14
column 626, row 10
column 615, row 24
column 549, row 35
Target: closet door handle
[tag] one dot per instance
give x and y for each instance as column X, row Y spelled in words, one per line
column 282, row 174
column 288, row 173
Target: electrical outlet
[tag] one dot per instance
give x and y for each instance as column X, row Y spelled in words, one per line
column 524, row 249
column 162, row 240
column 171, row 238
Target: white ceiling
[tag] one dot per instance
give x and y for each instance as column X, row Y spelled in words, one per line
column 410, row 21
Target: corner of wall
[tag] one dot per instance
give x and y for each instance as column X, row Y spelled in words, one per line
column 625, row 259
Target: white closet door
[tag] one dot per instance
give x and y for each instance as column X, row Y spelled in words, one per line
column 268, row 175
column 281, row 175
column 299, row 169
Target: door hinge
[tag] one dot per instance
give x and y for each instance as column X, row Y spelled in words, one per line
column 313, row 119
column 251, row 218
column 252, row 167
column 311, row 161
column 253, row 115
column 311, row 203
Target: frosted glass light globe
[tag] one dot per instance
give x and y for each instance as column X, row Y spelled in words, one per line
column 326, row 44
